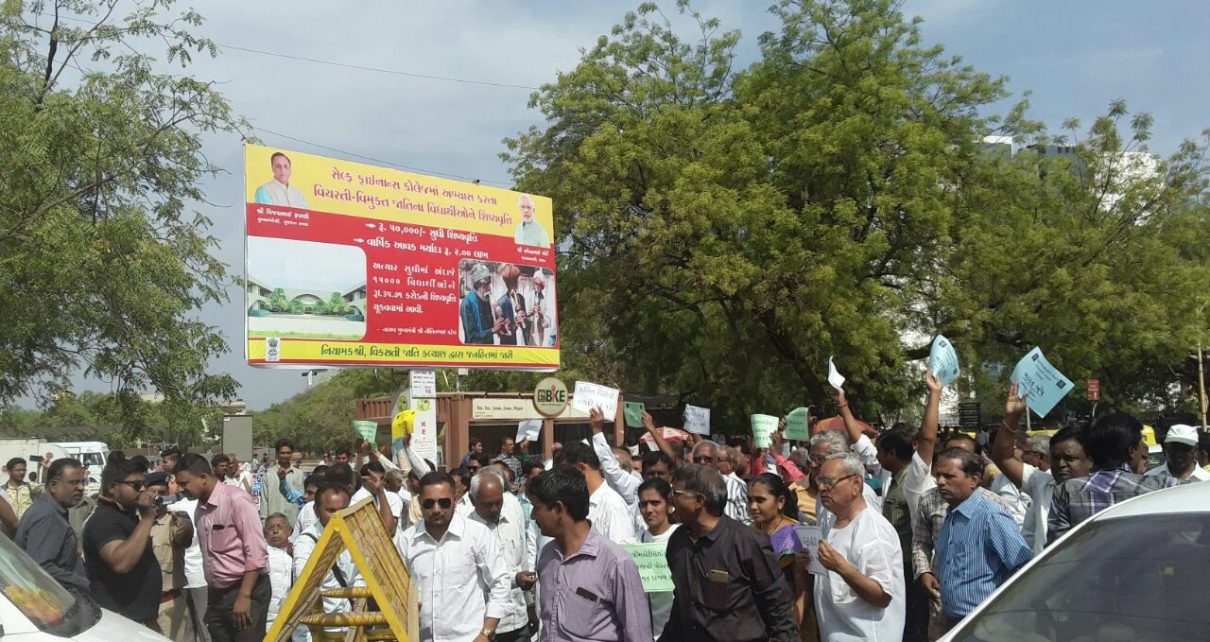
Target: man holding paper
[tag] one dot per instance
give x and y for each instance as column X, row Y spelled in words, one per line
column 862, row 595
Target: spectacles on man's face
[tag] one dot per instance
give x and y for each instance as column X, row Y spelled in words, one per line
column 677, row 492
column 444, row 502
column 705, row 459
column 135, row 484
column 826, row 482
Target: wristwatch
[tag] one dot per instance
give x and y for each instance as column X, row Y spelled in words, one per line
column 490, row 634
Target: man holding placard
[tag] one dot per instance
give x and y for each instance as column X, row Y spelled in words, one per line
column 862, row 595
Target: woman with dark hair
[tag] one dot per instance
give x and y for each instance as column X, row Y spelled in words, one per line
column 655, row 507
column 774, row 510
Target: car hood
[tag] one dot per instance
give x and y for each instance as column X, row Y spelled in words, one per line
column 113, row 627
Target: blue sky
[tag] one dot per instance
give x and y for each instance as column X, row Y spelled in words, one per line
column 1075, row 56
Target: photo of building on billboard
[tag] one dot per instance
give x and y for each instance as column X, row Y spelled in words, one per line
column 506, row 304
column 303, row 289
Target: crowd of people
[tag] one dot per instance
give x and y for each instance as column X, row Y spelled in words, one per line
column 917, row 527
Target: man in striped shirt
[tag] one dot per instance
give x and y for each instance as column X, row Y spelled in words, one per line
column 708, row 453
column 980, row 545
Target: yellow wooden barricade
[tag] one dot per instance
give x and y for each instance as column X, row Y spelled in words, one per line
column 359, row 530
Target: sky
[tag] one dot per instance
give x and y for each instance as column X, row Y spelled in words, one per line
column 1074, row 56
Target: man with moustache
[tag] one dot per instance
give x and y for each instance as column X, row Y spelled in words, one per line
column 529, row 231
column 479, row 325
column 463, row 583
column 279, row 191
column 44, row 532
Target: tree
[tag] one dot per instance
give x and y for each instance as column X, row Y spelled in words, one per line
column 337, row 304
column 104, row 263
column 278, row 301
column 727, row 231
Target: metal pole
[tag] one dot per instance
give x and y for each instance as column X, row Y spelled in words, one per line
column 1201, row 385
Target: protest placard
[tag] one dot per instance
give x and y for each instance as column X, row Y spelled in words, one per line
column 697, row 420
column 529, row 429
column 632, row 412
column 590, row 395
column 798, row 424
column 943, row 361
column 367, row 430
column 834, row 376
column 652, row 561
column 808, row 538
column 1042, row 385
column 763, row 427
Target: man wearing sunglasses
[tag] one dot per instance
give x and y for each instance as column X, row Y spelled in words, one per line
column 118, row 557
column 463, row 583
column 44, row 532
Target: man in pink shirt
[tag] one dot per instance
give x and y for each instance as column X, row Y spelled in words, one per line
column 234, row 554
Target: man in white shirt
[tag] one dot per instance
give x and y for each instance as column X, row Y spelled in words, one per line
column 862, row 595
column 462, row 580
column 623, row 483
column 1180, row 450
column 1067, row 459
column 501, row 513
column 331, row 498
column 373, row 486
column 606, row 509
column 338, row 474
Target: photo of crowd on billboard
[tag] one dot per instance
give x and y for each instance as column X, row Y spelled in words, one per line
column 506, row 304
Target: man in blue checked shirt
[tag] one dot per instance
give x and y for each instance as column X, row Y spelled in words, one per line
column 980, row 545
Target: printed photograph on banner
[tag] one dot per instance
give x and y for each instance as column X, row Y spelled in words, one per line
column 305, row 290
column 351, row 264
column 506, row 304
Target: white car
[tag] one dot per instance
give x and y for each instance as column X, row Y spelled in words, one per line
column 34, row 608
column 1134, row 572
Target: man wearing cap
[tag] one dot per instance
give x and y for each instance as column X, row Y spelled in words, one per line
column 478, row 324
column 1180, row 448
column 171, row 535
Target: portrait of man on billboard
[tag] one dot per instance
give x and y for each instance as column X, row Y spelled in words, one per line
column 279, row 191
column 529, row 230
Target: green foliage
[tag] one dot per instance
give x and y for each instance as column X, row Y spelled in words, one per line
column 726, row 231
column 121, row 420
column 337, row 304
column 295, row 306
column 321, row 418
column 279, row 303
column 103, row 261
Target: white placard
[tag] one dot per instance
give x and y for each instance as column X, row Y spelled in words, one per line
column 697, row 419
column 590, row 395
column 529, row 430
column 423, row 383
column 834, row 376
column 808, row 537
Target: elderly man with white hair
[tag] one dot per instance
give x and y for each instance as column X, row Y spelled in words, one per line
column 708, row 453
column 862, row 595
column 540, row 311
column 479, row 325
column 500, row 511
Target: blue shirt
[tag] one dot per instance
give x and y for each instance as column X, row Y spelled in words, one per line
column 978, row 549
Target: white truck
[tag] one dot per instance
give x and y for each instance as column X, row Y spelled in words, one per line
column 90, row 453
column 33, row 451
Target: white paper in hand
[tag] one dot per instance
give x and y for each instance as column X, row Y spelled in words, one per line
column 808, row 537
column 697, row 419
column 590, row 395
column 834, row 376
column 529, row 429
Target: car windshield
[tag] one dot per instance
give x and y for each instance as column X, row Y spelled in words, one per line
column 39, row 597
column 1135, row 578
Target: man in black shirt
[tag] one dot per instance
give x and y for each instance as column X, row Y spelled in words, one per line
column 44, row 532
column 118, row 556
column 727, row 583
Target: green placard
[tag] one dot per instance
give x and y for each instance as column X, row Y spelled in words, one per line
column 798, row 425
column 653, row 565
column 633, row 413
column 367, row 430
column 763, row 427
